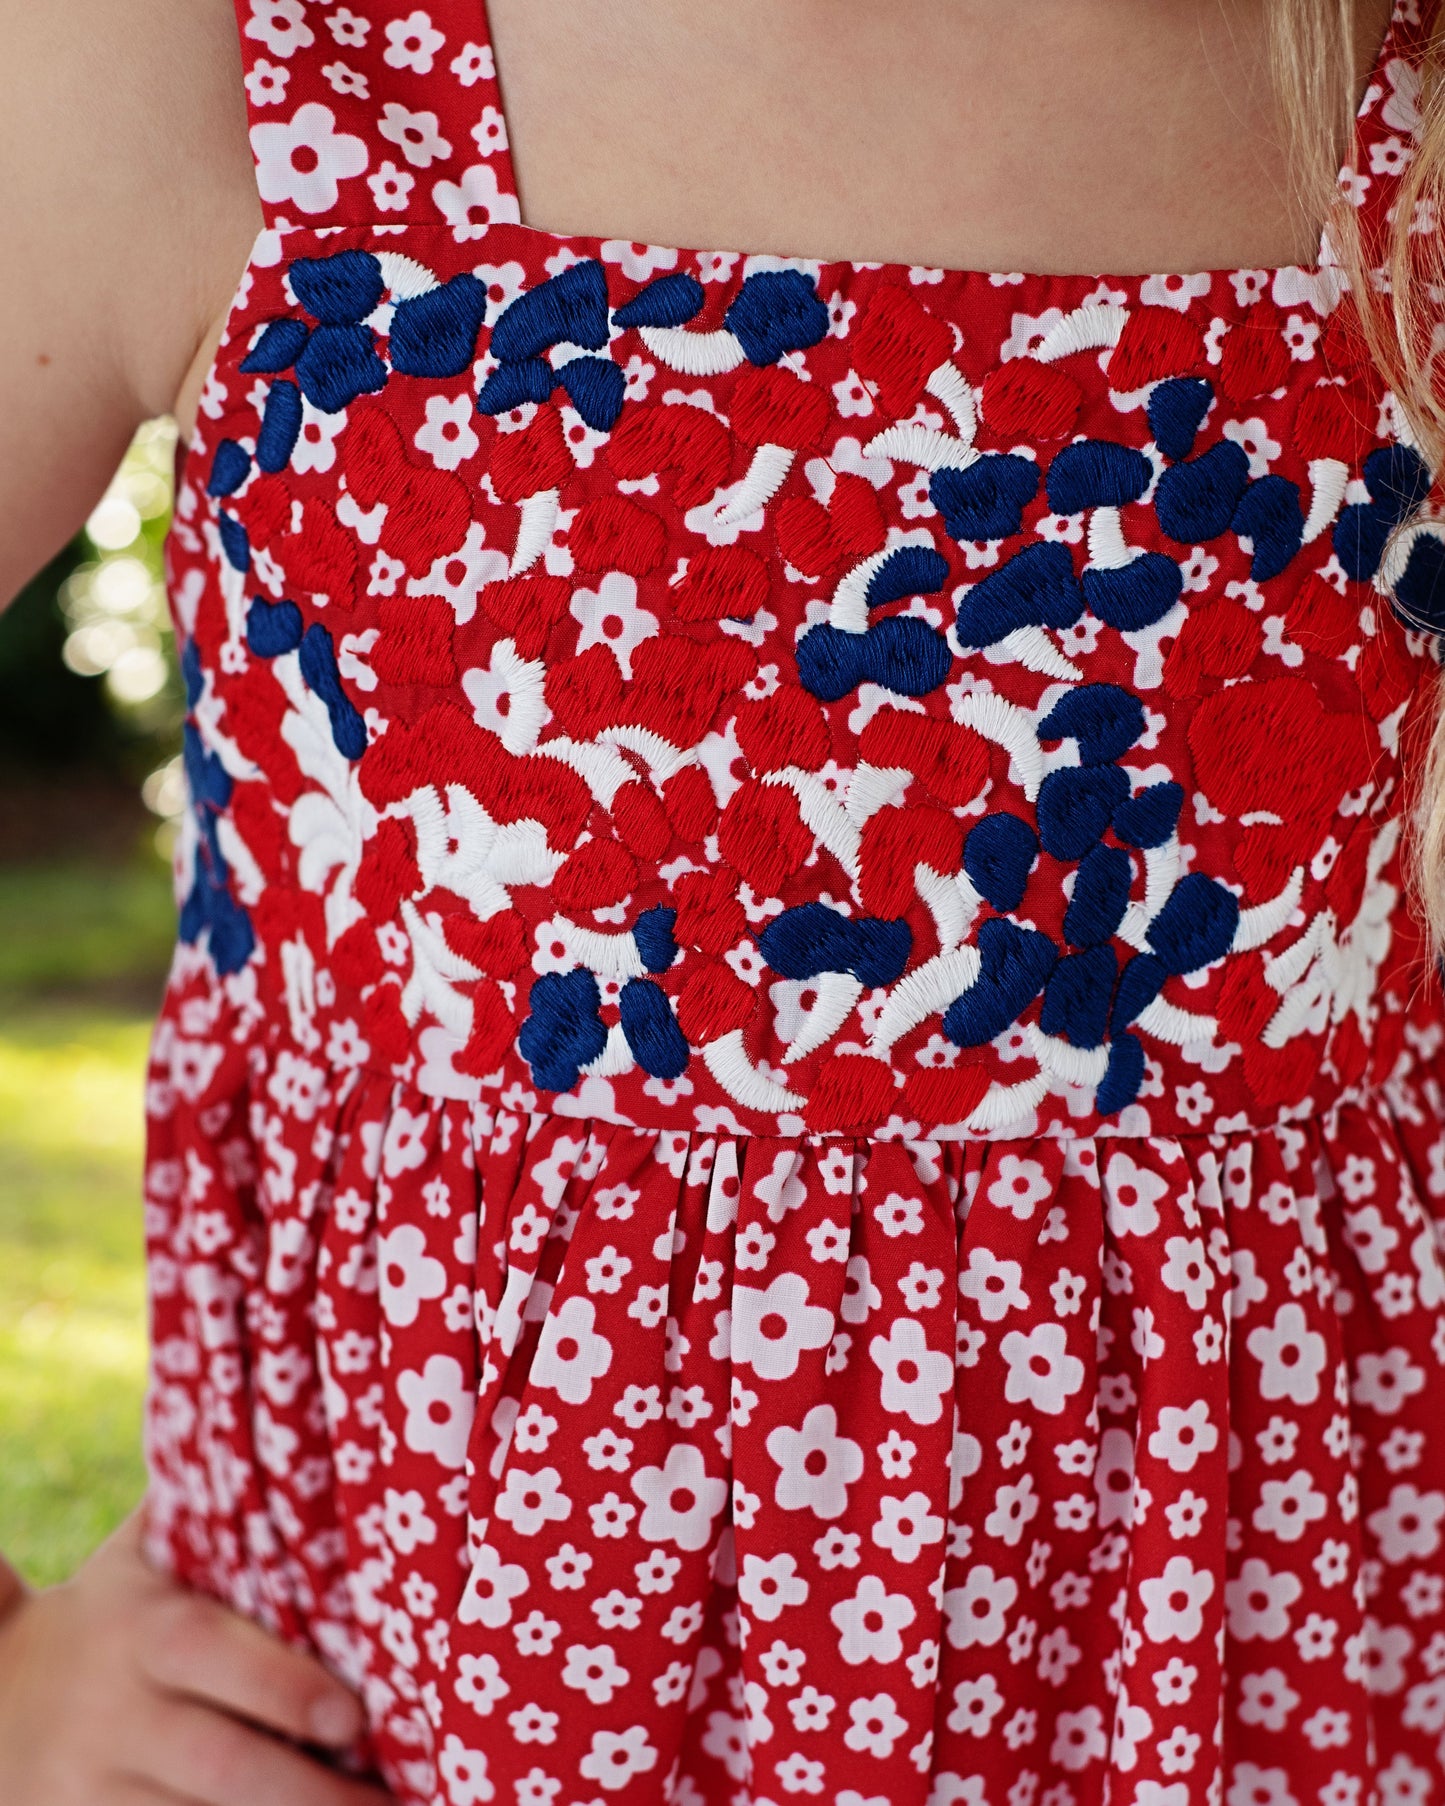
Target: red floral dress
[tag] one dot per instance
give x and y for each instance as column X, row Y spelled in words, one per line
column 796, row 1144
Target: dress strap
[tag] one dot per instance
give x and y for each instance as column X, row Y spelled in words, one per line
column 375, row 112
column 1387, row 122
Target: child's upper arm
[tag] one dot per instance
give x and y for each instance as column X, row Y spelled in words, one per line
column 127, row 206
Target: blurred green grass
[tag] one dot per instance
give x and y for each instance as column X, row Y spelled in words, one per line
column 83, row 946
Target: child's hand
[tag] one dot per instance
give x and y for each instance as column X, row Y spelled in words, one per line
column 123, row 1689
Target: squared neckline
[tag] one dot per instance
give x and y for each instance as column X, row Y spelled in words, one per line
column 1325, row 263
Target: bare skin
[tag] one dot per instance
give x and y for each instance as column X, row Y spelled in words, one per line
column 950, row 133
column 122, row 1689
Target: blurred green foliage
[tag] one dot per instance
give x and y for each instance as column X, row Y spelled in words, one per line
column 72, row 1338
column 72, row 1292
column 89, row 692
column 88, row 674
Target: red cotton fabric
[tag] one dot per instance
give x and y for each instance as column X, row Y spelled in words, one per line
column 796, row 1142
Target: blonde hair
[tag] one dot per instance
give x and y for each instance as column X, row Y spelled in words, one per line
column 1396, row 287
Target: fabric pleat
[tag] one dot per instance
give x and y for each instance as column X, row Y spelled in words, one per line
column 704, row 1468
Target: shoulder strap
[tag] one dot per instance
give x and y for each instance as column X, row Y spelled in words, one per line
column 375, row 112
column 1387, row 124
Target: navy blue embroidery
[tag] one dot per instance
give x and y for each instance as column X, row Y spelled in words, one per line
column 1076, row 997
column 998, row 856
column 234, row 541
column 280, row 426
column 570, row 309
column 652, row 932
column 669, row 301
column 1147, row 820
column 435, row 334
column 812, row 939
column 1130, row 597
column 1016, row 963
column 596, row 388
column 901, row 653
column 1196, row 925
column 273, row 628
column 209, row 908
column 338, row 364
column 1139, row 984
column 987, row 500
column 1096, row 473
column 1123, row 1076
column 1270, row 517
column 1036, row 588
column 658, row 1044
column 1100, row 897
column 277, row 348
column 1419, row 594
column 910, row 571
column 563, row 1033
column 1103, row 719
column 774, row 312
column 1398, row 480
column 339, row 289
column 510, row 385
column 1075, row 806
column 318, row 667
column 1197, row 499
column 229, row 469
column 1176, row 412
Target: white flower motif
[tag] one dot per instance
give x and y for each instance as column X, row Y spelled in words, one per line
column 439, row 1405
column 1174, row 1601
column 1041, row 1371
column 875, row 1726
column 460, row 576
column 1183, row 1435
column 473, row 63
column 977, row 1611
column 266, row 83
column 281, row 26
column 1287, row 1508
column 447, row 437
column 1174, row 290
column 766, row 1586
column 817, row 1463
column 915, row 1376
column 465, row 1773
column 1131, row 1196
column 594, row 1671
column 479, row 1683
column 489, row 134
column 771, row 1329
column 1291, row 1355
column 529, row 1501
column 1018, row 1185
column 611, row 616
column 391, row 188
column 416, row 135
column 303, row 164
column 906, row 1526
column 871, row 1623
column 617, row 1756
column 571, row 1354
column 407, row 1274
column 1407, row 1525
column 1258, row 1601
column 638, row 261
column 412, row 43
column 680, row 1499
column 316, row 442
column 476, row 202
column 994, row 1285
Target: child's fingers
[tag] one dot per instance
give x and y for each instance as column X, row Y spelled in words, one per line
column 193, row 1646
column 212, row 1759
